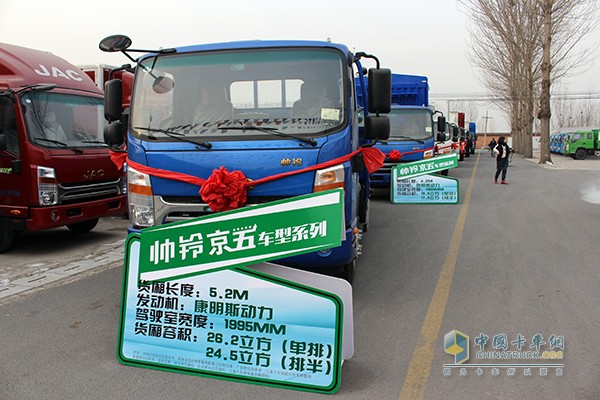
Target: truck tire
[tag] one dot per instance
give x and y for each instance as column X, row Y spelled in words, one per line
column 349, row 271
column 461, row 157
column 6, row 236
column 580, row 154
column 444, row 172
column 363, row 209
column 83, row 227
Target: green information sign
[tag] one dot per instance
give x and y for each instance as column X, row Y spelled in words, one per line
column 425, row 189
column 243, row 237
column 429, row 166
column 191, row 305
column 236, row 324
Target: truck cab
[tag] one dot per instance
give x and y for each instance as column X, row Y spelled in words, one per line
column 55, row 169
column 472, row 137
column 263, row 108
column 412, row 134
column 445, row 143
column 582, row 143
column 463, row 144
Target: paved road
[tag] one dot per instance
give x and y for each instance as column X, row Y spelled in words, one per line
column 515, row 259
column 38, row 258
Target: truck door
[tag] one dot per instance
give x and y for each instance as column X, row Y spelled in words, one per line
column 12, row 183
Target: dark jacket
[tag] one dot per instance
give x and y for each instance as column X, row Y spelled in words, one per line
column 502, row 147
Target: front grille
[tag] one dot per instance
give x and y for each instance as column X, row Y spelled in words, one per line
column 198, row 200
column 386, row 168
column 76, row 192
column 180, row 208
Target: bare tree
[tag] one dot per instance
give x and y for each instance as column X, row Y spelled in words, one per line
column 566, row 23
column 568, row 112
column 521, row 47
column 504, row 45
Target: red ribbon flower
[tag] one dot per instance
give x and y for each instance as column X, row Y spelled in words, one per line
column 395, row 155
column 224, row 190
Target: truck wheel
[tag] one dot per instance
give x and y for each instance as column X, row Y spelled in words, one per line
column 349, row 271
column 580, row 154
column 444, row 172
column 363, row 209
column 6, row 236
column 83, row 227
column 461, row 157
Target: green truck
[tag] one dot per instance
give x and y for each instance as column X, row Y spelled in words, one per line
column 582, row 143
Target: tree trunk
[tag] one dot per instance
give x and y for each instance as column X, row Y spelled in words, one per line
column 529, row 115
column 545, row 112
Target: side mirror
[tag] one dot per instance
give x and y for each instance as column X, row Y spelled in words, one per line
column 114, row 134
column 441, row 123
column 112, row 100
column 380, row 90
column 377, row 128
column 441, row 137
column 163, row 84
column 115, row 43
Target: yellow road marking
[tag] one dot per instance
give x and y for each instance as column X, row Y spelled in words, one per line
column 420, row 363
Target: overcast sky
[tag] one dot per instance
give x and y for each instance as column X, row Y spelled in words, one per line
column 412, row 37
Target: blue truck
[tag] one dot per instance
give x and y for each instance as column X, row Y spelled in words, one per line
column 473, row 137
column 260, row 107
column 412, row 136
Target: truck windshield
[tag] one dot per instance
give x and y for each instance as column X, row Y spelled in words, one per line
column 410, row 124
column 240, row 94
column 64, row 121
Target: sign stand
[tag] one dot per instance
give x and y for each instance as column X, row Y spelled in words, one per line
column 260, row 323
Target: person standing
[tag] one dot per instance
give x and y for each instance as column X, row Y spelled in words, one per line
column 502, row 151
column 492, row 146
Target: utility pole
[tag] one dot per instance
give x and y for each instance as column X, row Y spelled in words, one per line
column 485, row 129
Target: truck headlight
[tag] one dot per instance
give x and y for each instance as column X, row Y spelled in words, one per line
column 123, row 184
column 139, row 195
column 47, row 186
column 428, row 154
column 329, row 178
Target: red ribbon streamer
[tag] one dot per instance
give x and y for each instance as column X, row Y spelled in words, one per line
column 225, row 190
column 396, row 155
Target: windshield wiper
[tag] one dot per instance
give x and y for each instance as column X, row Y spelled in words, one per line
column 94, row 142
column 61, row 144
column 176, row 135
column 407, row 138
column 274, row 132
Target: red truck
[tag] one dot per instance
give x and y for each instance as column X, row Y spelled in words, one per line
column 458, row 119
column 102, row 73
column 55, row 169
